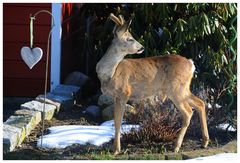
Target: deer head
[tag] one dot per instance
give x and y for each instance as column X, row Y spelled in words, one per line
column 123, row 39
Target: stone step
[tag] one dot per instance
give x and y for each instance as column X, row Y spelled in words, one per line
column 12, row 137
column 38, row 106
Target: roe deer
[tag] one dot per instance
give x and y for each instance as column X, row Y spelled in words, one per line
column 125, row 79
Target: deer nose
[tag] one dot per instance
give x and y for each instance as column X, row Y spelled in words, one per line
column 141, row 49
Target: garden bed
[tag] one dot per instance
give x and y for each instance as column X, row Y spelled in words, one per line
column 74, row 116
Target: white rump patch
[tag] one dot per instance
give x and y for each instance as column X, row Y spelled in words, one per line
column 193, row 66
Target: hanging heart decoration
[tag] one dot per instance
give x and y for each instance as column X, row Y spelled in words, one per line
column 31, row 56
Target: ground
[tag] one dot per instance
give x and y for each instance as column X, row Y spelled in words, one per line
column 74, row 116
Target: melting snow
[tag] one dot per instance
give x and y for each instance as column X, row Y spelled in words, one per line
column 220, row 157
column 63, row 136
column 225, row 126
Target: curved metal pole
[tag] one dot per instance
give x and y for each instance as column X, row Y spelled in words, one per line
column 47, row 64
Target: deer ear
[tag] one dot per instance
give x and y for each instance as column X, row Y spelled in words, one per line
column 129, row 22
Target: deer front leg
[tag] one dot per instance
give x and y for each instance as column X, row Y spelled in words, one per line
column 119, row 108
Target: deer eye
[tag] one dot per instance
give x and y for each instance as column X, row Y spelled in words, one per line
column 130, row 39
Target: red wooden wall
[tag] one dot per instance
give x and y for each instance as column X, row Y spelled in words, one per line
column 18, row 79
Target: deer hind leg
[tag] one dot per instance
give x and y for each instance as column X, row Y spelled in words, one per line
column 187, row 112
column 119, row 108
column 200, row 107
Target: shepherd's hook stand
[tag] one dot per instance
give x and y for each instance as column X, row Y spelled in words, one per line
column 32, row 56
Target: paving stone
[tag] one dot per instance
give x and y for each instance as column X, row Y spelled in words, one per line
column 65, row 90
column 197, row 153
column 141, row 156
column 230, row 147
column 173, row 156
column 38, row 106
column 36, row 114
column 40, row 98
column 12, row 137
column 24, row 122
column 65, row 102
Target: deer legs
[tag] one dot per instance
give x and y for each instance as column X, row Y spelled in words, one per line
column 119, row 108
column 186, row 110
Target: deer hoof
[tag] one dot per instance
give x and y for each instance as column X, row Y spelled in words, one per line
column 115, row 150
column 116, row 153
column 176, row 149
column 205, row 143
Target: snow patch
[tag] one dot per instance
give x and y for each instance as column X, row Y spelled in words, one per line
column 225, row 126
column 218, row 106
column 209, row 105
column 221, row 157
column 63, row 136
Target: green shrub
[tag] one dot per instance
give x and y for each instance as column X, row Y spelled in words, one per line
column 205, row 32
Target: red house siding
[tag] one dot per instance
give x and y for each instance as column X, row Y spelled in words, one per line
column 18, row 79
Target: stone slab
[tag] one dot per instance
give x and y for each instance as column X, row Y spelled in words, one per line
column 65, row 90
column 230, row 147
column 36, row 114
column 64, row 101
column 38, row 106
column 24, row 122
column 48, row 100
column 12, row 137
column 173, row 156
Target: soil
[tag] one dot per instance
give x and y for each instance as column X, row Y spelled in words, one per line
column 76, row 116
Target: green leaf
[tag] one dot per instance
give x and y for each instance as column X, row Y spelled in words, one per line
column 208, row 30
column 224, row 58
column 205, row 18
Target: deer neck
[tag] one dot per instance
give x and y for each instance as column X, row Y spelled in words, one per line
column 107, row 65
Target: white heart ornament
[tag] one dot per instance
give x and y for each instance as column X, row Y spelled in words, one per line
column 31, row 56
